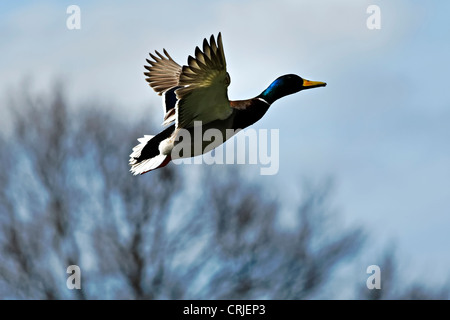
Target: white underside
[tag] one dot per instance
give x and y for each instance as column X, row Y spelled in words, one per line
column 146, row 165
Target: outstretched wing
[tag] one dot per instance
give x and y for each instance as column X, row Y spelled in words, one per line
column 163, row 73
column 163, row 76
column 204, row 82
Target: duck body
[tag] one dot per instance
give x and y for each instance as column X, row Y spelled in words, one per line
column 196, row 103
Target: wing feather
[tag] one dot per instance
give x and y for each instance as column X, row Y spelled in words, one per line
column 163, row 72
column 204, row 81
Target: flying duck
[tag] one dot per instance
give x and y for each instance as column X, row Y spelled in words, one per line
column 195, row 98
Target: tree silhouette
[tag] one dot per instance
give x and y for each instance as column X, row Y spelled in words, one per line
column 67, row 198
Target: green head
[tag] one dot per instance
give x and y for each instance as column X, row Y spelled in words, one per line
column 288, row 84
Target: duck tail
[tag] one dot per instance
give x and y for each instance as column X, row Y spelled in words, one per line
column 146, row 156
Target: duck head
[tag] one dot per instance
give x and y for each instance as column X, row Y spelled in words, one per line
column 286, row 85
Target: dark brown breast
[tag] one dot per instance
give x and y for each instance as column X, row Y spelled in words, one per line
column 247, row 112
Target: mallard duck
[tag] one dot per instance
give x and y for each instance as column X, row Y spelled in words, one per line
column 195, row 97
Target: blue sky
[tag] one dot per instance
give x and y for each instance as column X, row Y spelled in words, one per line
column 380, row 127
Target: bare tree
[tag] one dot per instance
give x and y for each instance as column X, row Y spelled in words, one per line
column 67, row 198
column 66, row 190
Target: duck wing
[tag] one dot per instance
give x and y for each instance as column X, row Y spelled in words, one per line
column 163, row 72
column 204, row 81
